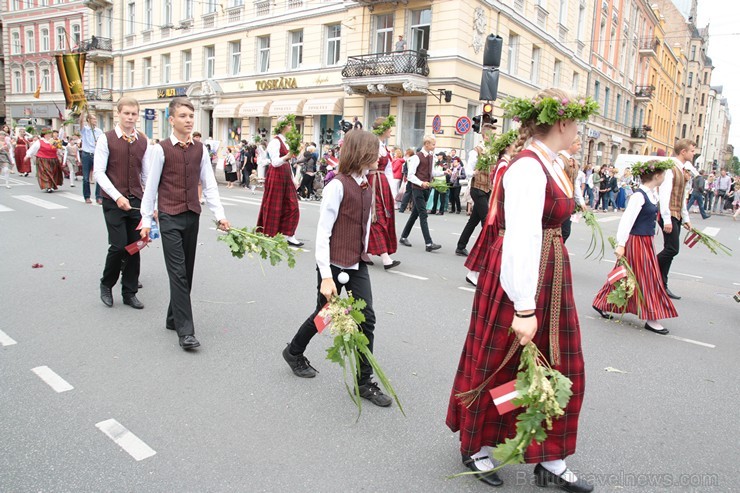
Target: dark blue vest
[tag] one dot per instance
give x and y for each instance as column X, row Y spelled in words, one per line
column 645, row 222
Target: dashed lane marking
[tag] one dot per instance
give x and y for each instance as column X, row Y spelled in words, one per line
column 5, row 209
column 711, row 231
column 412, row 276
column 39, row 202
column 52, row 379
column 6, row 340
column 608, row 219
column 691, row 341
column 465, row 288
column 129, row 442
column 16, row 181
column 73, row 196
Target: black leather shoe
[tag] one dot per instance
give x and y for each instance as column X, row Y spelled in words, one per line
column 393, row 264
column 106, row 296
column 299, row 364
column 662, row 331
column 603, row 314
column 542, row 477
column 140, row 285
column 133, row 302
column 462, row 252
column 296, row 245
column 671, row 295
column 433, row 246
column 490, row 478
column 372, row 392
column 189, row 342
column 404, row 242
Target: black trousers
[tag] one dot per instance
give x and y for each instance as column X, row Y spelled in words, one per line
column 565, row 229
column 455, row 199
column 421, row 197
column 359, row 284
column 179, row 240
column 671, row 243
column 406, row 198
column 121, row 232
column 477, row 216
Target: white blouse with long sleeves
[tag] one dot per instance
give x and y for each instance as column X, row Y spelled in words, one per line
column 525, row 190
column 273, row 151
column 634, row 205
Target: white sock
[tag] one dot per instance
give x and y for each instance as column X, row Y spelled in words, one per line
column 473, row 276
column 558, row 468
column 655, row 324
column 387, row 260
column 482, row 460
column 292, row 239
column 6, row 172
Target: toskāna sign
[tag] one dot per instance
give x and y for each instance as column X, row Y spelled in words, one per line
column 281, row 83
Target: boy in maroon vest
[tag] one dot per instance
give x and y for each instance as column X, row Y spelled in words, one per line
column 172, row 171
column 117, row 170
column 341, row 247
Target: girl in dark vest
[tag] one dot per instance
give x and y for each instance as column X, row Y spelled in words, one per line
column 341, row 253
column 635, row 243
column 534, row 197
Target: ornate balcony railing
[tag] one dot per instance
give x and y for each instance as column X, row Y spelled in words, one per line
column 644, row 91
column 649, row 44
column 96, row 43
column 397, row 62
column 640, row 132
column 99, row 94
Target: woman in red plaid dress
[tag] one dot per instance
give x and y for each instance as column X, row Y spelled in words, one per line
column 383, row 241
column 534, row 197
column 279, row 209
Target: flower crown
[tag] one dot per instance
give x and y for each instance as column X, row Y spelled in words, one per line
column 383, row 127
column 639, row 169
column 284, row 122
column 549, row 110
column 503, row 141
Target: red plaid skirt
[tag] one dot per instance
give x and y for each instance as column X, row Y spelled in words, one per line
column 488, row 341
column 49, row 173
column 279, row 210
column 383, row 230
column 656, row 304
column 477, row 255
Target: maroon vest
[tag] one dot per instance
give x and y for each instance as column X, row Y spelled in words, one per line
column 350, row 228
column 424, row 170
column 124, row 164
column 178, row 186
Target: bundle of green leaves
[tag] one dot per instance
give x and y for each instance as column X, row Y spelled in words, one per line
column 627, row 287
column 249, row 241
column 709, row 242
column 597, row 235
column 489, row 157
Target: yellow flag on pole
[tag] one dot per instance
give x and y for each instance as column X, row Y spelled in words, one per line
column 37, row 94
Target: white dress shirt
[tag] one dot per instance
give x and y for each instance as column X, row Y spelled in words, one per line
column 413, row 164
column 383, row 152
column 664, row 197
column 634, row 206
column 273, row 151
column 332, row 196
column 524, row 185
column 89, row 137
column 151, row 173
column 100, row 165
column 471, row 162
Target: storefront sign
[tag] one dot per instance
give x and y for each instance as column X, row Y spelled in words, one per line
column 616, row 140
column 593, row 134
column 281, row 83
column 150, row 114
column 171, row 92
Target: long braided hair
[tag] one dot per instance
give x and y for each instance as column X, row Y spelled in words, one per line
column 530, row 128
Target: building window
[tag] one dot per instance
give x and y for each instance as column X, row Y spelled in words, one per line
column 296, row 49
column 130, row 74
column 166, row 128
column 148, row 14
column 211, row 6
column 235, row 57
column 30, row 42
column 683, row 131
column 44, row 39
column 513, row 60
column 167, row 14
column 383, row 33
column 691, row 78
column 15, row 42
column 99, row 23
column 421, row 23
column 76, row 35
column 706, row 75
column 31, row 80
column 101, row 76
column 46, row 80
column 597, row 90
column 581, row 21
column 147, row 71
column 109, row 22
column 535, row 66
column 187, row 65
column 333, row 43
column 702, row 99
column 700, row 119
column 61, row 43
column 188, row 9
column 618, row 109
column 693, row 53
column 563, row 12
column 413, row 122
column 17, row 82
column 378, row 108
column 602, row 36
column 576, row 84
column 626, row 112
column 686, row 105
column 263, row 53
column 607, row 93
column 556, row 69
column 209, row 53
column 166, row 69
column 131, row 17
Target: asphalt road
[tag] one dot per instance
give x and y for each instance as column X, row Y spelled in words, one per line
column 232, row 417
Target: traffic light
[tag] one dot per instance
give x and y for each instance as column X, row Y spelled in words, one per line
column 491, row 62
column 476, row 123
column 448, row 96
column 328, row 136
column 487, row 117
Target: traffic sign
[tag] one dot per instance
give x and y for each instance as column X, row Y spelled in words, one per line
column 437, row 124
column 462, row 125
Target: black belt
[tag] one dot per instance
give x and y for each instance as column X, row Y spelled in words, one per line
column 85, row 152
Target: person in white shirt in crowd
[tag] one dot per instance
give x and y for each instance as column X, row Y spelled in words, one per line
column 90, row 133
column 722, row 186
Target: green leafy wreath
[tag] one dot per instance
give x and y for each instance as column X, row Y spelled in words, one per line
column 389, row 122
column 639, row 169
column 549, row 110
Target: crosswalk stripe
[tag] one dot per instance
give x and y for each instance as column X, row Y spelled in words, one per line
column 412, row 276
column 129, row 442
column 16, row 181
column 5, row 209
column 609, row 219
column 711, row 231
column 73, row 196
column 6, row 340
column 52, row 379
column 39, row 202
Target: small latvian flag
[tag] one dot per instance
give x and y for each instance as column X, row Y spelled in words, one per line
column 691, row 240
column 619, row 272
column 503, row 397
column 321, row 321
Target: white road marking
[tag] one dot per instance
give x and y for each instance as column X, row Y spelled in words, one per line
column 6, row 340
column 687, row 275
column 129, row 442
column 711, row 231
column 465, row 288
column 39, row 202
column 52, row 379
column 241, row 201
column 73, row 196
column 5, row 209
column 412, row 276
column 456, row 234
column 736, row 283
column 691, row 341
column 16, row 181
column 609, row 219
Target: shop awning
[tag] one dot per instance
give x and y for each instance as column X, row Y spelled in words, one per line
column 226, row 110
column 287, row 107
column 254, row 109
column 329, row 106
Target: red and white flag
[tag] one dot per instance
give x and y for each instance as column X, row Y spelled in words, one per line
column 503, row 395
column 691, row 240
column 617, row 273
column 137, row 246
column 321, row 321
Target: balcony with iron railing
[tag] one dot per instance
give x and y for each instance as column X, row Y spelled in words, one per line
column 398, row 62
column 97, row 48
column 640, row 133
column 99, row 94
column 644, row 93
column 97, row 4
column 648, row 47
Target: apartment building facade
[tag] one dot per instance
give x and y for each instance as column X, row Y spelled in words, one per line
column 716, row 154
